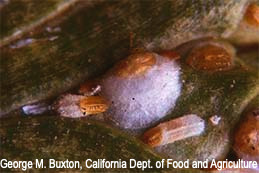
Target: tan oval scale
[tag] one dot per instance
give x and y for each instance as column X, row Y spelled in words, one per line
column 90, row 88
column 210, row 57
column 135, row 65
column 252, row 15
column 93, row 105
column 246, row 141
column 153, row 137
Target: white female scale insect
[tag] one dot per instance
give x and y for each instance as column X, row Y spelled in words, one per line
column 141, row 90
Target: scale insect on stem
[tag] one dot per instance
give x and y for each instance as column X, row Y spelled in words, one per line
column 174, row 130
